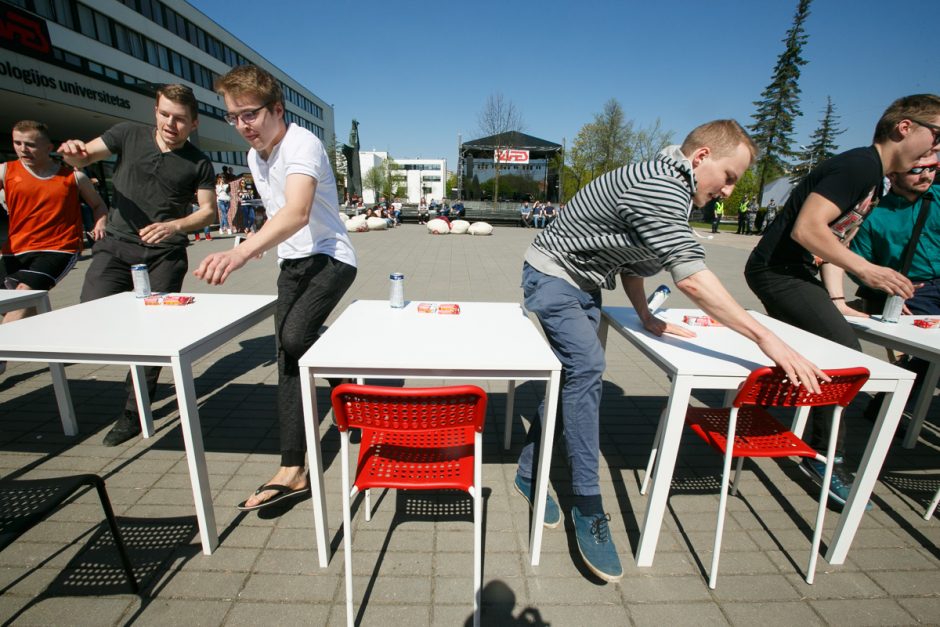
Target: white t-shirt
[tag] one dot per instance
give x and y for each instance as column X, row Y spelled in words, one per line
column 301, row 152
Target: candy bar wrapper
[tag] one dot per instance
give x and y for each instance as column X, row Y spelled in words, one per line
column 701, row 321
column 169, row 299
column 443, row 308
column 927, row 323
column 427, row 308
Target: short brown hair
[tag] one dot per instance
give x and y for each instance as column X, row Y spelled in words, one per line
column 722, row 136
column 181, row 95
column 916, row 107
column 25, row 126
column 253, row 81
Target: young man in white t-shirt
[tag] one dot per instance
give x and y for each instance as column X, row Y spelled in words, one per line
column 317, row 262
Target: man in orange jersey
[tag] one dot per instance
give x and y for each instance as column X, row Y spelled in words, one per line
column 42, row 198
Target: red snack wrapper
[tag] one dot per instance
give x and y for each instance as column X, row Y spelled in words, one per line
column 426, row 308
column 170, row 299
column 701, row 321
column 927, row 323
column 178, row 300
column 449, row 308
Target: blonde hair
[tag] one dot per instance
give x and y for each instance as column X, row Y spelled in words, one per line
column 722, row 136
column 25, row 126
column 250, row 80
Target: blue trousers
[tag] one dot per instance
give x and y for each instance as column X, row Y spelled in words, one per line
column 570, row 318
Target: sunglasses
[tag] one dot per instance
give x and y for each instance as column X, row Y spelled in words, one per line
column 933, row 128
column 924, row 168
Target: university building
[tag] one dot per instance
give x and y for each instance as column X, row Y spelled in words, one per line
column 82, row 66
column 415, row 178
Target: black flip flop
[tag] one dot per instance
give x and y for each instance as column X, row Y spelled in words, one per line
column 283, row 492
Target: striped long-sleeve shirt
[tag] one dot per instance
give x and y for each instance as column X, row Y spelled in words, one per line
column 632, row 220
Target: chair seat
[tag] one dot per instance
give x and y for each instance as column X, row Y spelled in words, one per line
column 758, row 434
column 416, row 460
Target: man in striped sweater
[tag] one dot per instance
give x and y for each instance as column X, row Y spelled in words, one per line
column 632, row 221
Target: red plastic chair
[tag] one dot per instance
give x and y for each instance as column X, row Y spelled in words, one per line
column 756, row 433
column 413, row 439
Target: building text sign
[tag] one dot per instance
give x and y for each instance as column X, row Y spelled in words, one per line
column 511, row 155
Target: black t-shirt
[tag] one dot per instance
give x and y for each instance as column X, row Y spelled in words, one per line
column 151, row 185
column 853, row 181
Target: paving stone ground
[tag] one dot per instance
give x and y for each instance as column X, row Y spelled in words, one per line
column 411, row 571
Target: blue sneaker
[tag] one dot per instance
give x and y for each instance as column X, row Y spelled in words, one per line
column 527, row 489
column 595, row 545
column 839, row 486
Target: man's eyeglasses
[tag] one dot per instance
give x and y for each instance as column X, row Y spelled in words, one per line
column 247, row 117
column 924, row 168
column 933, row 128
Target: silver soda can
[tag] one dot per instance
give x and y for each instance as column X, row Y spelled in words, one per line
column 141, row 280
column 396, row 292
column 657, row 298
column 892, row 311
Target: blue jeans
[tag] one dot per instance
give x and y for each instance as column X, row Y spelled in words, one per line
column 249, row 211
column 926, row 299
column 223, row 213
column 570, row 318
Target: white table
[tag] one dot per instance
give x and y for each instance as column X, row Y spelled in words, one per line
column 493, row 341
column 922, row 343
column 11, row 300
column 120, row 329
column 720, row 359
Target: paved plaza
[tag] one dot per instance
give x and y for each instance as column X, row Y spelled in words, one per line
column 413, row 561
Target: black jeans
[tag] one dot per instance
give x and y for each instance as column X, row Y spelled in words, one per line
column 110, row 273
column 307, row 291
column 794, row 295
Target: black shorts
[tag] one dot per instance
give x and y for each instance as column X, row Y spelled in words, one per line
column 39, row 271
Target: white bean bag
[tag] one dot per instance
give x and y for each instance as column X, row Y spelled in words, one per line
column 343, row 217
column 377, row 224
column 459, row 227
column 481, row 228
column 438, row 227
column 357, row 224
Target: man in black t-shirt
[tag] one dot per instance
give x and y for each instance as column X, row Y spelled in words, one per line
column 158, row 171
column 813, row 230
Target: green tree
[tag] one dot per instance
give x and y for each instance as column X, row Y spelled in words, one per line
column 779, row 107
column 608, row 142
column 746, row 187
column 394, row 183
column 375, row 180
column 822, row 143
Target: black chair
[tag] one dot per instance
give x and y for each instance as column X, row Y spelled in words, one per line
column 26, row 503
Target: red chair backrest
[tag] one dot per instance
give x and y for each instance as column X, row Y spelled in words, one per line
column 770, row 387
column 408, row 409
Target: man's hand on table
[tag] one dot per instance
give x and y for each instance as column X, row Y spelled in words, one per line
column 657, row 327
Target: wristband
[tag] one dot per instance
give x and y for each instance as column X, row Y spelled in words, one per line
column 837, row 298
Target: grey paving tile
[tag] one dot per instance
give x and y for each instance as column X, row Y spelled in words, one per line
column 908, row 583
column 863, row 612
column 924, row 610
column 771, row 614
column 269, row 587
column 91, row 611
column 676, row 614
column 251, row 614
column 160, row 612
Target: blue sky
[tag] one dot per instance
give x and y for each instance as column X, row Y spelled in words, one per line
column 415, row 74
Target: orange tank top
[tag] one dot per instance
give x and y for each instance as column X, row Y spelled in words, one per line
column 45, row 214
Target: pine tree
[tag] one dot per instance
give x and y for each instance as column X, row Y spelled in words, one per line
column 822, row 145
column 779, row 107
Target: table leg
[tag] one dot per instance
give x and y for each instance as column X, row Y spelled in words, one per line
column 922, row 405
column 143, row 400
column 662, row 471
column 315, row 466
column 510, row 401
column 545, row 462
column 878, row 444
column 195, row 452
column 60, row 384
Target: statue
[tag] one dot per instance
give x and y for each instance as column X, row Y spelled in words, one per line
column 351, row 152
